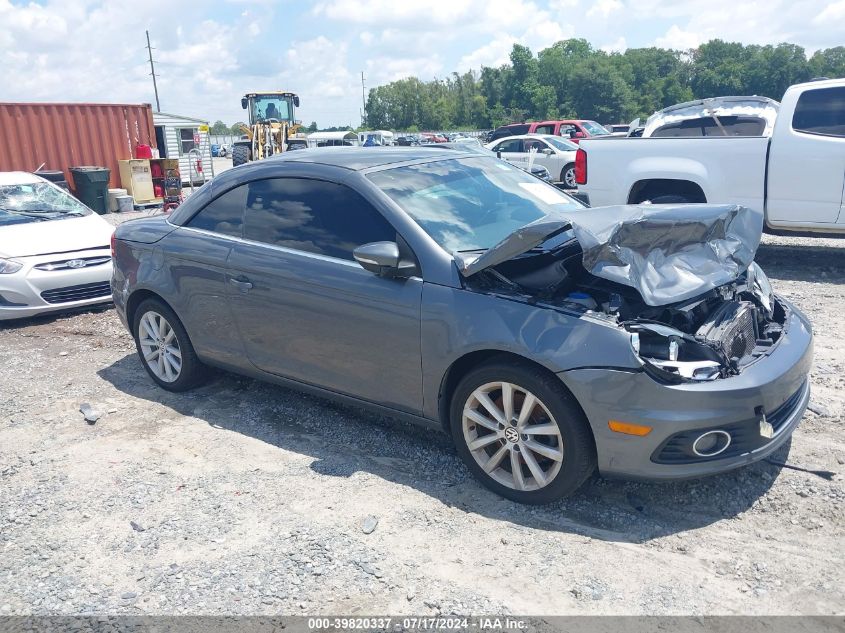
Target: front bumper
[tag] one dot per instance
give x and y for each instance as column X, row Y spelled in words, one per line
column 32, row 290
column 777, row 385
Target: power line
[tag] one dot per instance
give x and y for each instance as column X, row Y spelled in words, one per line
column 153, row 71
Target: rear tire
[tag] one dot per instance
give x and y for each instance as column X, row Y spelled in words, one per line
column 164, row 348
column 240, row 155
column 551, row 443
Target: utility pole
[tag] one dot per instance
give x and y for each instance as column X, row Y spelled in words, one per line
column 363, row 100
column 153, row 71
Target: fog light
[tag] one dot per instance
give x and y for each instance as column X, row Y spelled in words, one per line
column 711, row 443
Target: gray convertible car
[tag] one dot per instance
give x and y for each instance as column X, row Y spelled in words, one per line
column 548, row 339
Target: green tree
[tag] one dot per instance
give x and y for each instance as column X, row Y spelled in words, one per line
column 236, row 128
column 219, row 128
column 829, row 62
column 312, row 127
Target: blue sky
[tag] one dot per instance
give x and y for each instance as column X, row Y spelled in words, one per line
column 210, row 53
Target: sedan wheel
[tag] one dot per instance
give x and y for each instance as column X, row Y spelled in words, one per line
column 164, row 347
column 568, row 177
column 521, row 433
column 512, row 436
column 160, row 347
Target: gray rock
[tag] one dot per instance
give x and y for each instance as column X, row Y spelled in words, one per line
column 369, row 524
column 129, row 595
column 90, row 413
column 819, row 409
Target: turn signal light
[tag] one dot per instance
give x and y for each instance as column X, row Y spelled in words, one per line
column 628, row 429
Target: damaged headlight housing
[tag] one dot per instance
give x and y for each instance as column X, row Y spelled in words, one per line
column 671, row 356
column 760, row 286
column 9, row 266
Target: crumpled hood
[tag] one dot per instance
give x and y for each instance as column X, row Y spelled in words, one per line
column 669, row 253
column 54, row 236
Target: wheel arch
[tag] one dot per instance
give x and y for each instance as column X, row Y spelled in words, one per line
column 137, row 298
column 648, row 188
column 469, row 361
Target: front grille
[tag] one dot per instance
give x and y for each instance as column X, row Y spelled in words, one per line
column 74, row 263
column 77, row 293
column 745, row 436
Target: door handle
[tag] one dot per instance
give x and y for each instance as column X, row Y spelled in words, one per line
column 241, row 283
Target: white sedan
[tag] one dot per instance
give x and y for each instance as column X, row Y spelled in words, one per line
column 552, row 152
column 54, row 251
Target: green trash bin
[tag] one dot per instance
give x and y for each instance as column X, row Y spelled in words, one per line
column 91, row 185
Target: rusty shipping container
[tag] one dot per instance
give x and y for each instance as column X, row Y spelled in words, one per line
column 63, row 135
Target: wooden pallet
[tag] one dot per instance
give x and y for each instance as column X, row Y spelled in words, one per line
column 143, row 206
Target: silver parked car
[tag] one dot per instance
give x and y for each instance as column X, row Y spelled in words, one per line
column 549, row 340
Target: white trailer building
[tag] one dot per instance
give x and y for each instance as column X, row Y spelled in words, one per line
column 185, row 138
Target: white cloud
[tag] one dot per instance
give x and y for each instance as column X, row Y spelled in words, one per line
column 617, row 46
column 678, row 39
column 833, row 12
column 603, row 8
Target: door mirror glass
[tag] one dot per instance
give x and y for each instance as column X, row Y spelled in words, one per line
column 296, row 100
column 548, row 151
column 383, row 259
column 243, row 103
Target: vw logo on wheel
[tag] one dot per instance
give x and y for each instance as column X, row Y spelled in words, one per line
column 76, row 263
column 511, row 434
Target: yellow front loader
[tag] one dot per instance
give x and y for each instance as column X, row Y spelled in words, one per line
column 271, row 122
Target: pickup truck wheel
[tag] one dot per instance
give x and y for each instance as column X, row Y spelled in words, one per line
column 567, row 176
column 669, row 199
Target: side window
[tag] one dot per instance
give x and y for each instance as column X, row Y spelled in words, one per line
column 312, row 215
column 223, row 215
column 536, row 143
column 513, row 145
column 821, row 111
column 545, row 129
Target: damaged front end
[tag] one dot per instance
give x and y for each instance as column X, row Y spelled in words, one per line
column 680, row 280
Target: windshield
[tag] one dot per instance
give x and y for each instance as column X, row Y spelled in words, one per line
column 37, row 202
column 564, row 146
column 271, row 108
column 594, row 128
column 469, row 204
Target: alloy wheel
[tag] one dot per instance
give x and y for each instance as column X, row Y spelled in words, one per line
column 569, row 178
column 160, row 346
column 512, row 436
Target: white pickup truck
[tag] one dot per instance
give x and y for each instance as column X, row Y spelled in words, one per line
column 795, row 176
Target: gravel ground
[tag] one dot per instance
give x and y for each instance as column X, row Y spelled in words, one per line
column 244, row 498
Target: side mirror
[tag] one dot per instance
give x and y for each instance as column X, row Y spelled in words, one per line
column 383, row 259
column 548, row 151
column 244, row 103
column 580, row 135
column 296, row 100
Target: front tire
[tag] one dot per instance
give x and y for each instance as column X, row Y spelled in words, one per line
column 240, row 155
column 164, row 348
column 521, row 433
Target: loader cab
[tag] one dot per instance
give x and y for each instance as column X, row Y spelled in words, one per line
column 268, row 107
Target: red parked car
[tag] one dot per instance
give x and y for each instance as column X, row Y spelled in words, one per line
column 572, row 129
column 430, row 137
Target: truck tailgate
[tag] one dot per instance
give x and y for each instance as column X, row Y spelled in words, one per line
column 727, row 169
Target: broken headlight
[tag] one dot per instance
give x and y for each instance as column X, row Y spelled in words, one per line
column 670, row 355
column 760, row 286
